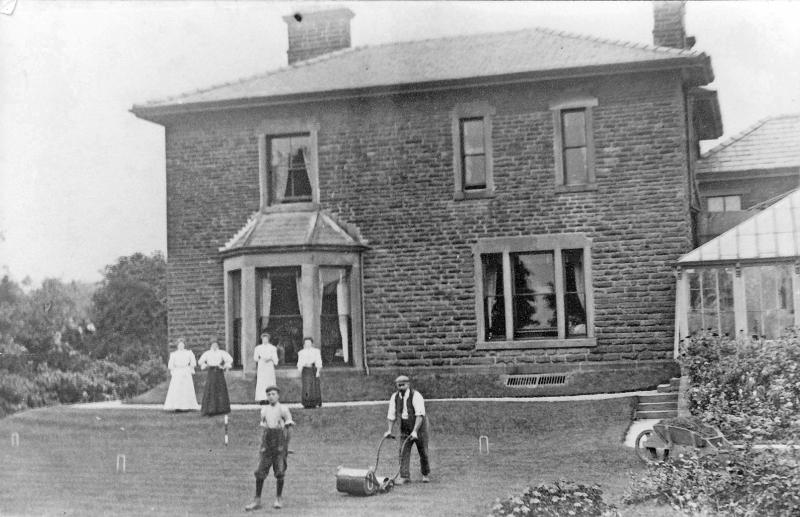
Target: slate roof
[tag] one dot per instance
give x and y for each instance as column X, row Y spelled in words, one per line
column 477, row 56
column 296, row 229
column 770, row 234
column 769, row 144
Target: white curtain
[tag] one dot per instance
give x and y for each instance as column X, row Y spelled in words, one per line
column 299, row 286
column 281, row 177
column 266, row 301
column 343, row 308
column 580, row 282
column 490, row 289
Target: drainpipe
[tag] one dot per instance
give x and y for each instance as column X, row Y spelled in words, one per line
column 363, row 315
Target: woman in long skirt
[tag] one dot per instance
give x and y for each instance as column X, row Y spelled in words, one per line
column 180, row 395
column 266, row 357
column 309, row 362
column 215, row 395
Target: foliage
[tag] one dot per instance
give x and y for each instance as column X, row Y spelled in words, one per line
column 45, row 334
column 736, row 483
column 562, row 498
column 749, row 389
column 130, row 310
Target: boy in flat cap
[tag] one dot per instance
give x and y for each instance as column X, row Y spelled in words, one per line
column 408, row 406
column 277, row 423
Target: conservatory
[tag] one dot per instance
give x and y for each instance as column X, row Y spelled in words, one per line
column 745, row 282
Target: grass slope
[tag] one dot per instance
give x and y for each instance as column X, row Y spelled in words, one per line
column 177, row 463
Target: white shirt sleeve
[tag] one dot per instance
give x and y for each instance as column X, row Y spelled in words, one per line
column 419, row 404
column 391, row 414
column 318, row 359
column 203, row 362
column 192, row 360
column 227, row 360
column 171, row 363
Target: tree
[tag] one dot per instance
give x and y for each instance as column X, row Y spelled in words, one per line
column 130, row 310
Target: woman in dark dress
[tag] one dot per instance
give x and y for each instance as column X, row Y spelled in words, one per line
column 215, row 394
column 309, row 362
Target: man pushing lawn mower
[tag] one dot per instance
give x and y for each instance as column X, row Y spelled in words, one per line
column 408, row 406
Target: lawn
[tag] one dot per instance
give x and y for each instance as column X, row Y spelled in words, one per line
column 177, row 464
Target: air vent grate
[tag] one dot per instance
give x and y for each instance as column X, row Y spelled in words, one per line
column 536, row 380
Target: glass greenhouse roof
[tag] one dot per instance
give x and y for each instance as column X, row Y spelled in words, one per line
column 772, row 233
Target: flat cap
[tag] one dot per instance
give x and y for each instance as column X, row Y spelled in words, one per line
column 402, row 378
column 272, row 388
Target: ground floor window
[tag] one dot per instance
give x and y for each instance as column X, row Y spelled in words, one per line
column 284, row 301
column 770, row 303
column 533, row 289
column 711, row 301
column 235, row 282
column 755, row 301
column 279, row 310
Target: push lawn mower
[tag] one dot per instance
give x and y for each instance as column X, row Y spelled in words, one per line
column 365, row 481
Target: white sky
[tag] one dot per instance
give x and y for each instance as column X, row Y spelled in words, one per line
column 82, row 180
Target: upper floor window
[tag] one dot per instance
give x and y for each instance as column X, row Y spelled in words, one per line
column 724, row 203
column 288, row 168
column 287, row 162
column 472, row 150
column 473, row 153
column 574, row 143
column 535, row 290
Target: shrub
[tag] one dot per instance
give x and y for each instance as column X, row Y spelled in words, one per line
column 737, row 483
column 749, row 389
column 562, row 498
column 152, row 371
column 18, row 392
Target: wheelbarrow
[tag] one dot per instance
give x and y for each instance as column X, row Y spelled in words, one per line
column 364, row 482
column 654, row 445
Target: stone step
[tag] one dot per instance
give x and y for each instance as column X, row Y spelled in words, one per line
column 657, row 406
column 655, row 414
column 675, row 382
column 666, row 388
column 661, row 397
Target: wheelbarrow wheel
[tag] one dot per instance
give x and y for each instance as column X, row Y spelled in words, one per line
column 649, row 454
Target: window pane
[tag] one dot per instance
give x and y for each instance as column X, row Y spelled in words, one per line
column 494, row 320
column 733, row 203
column 298, row 186
column 716, row 204
column 574, row 293
column 535, row 316
column 575, row 166
column 709, row 281
column 725, row 289
column 474, row 172
column 534, row 295
column 472, row 136
column 694, row 291
column 573, row 125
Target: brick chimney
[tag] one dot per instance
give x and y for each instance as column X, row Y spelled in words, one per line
column 314, row 33
column 668, row 25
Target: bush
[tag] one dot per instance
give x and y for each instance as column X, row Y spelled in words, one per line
column 17, row 393
column 152, row 371
column 749, row 389
column 563, row 498
column 737, row 483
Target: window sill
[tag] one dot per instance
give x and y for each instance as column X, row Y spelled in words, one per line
column 304, row 206
column 537, row 343
column 473, row 194
column 589, row 187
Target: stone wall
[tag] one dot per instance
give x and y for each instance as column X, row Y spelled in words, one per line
column 386, row 165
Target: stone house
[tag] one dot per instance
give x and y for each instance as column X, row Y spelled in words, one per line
column 508, row 206
column 747, row 172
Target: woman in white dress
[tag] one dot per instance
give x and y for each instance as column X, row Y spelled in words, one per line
column 180, row 395
column 266, row 357
column 215, row 394
column 309, row 362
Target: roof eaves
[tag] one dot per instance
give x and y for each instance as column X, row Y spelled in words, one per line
column 155, row 113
